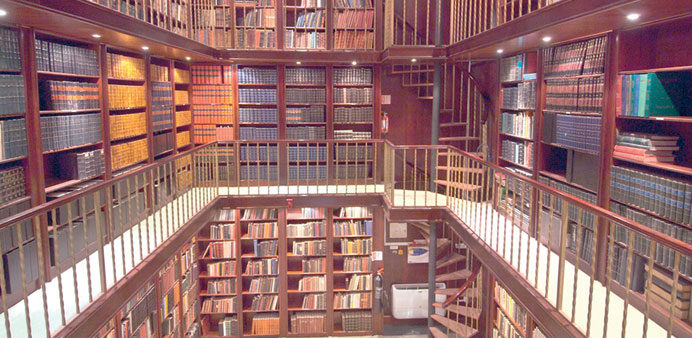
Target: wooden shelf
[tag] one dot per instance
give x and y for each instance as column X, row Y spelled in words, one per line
column 133, row 82
column 73, row 148
column 657, row 70
column 516, row 164
column 677, row 119
column 64, row 75
column 517, row 137
column 570, row 148
column 74, row 111
column 516, row 325
column 572, row 113
column 505, row 83
column 572, row 77
column 128, row 138
column 10, row 116
column 664, row 166
column 14, row 159
column 563, row 179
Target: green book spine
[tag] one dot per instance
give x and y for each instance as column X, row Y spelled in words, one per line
column 644, row 83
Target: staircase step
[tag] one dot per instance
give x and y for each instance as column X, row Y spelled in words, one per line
column 418, row 84
column 458, row 328
column 449, row 292
column 462, row 169
column 459, row 138
column 442, row 244
column 461, row 310
column 449, row 260
column 456, row 275
column 464, row 187
column 437, row 333
column 453, row 124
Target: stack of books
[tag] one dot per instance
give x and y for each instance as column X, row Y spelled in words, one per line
column 314, row 264
column 213, row 114
column 307, row 172
column 262, row 17
column 575, row 95
column 354, row 114
column 265, row 324
column 80, row 166
column 181, row 75
column 356, row 246
column 124, row 97
column 523, row 96
column 357, row 264
column 579, row 58
column 352, row 171
column 309, row 229
column 353, row 152
column 653, row 94
column 347, row 134
column 265, row 303
column 221, row 269
column 58, row 58
column 12, row 100
column 353, row 228
column 305, row 75
column 299, row 39
column 308, row 322
column 162, row 117
column 356, row 321
column 263, row 230
column 306, row 153
column 359, row 283
column 269, row 266
column 264, row 284
column 518, row 152
column 304, row 114
column 511, row 68
column 578, row 132
column 158, row 73
column 161, row 94
column 53, row 95
column 206, row 74
column 257, row 115
column 306, row 133
column 352, row 300
column 520, row 124
column 10, row 57
column 260, row 153
column 251, row 75
column 128, row 125
column 219, row 305
column 264, row 248
column 222, row 231
column 183, row 118
column 306, row 95
column 256, row 95
column 253, row 133
column 644, row 147
column 228, row 326
column 353, row 95
column 125, row 67
column 12, row 138
column 314, row 301
column 355, row 19
column 354, row 39
column 60, row 132
column 353, row 76
column 208, row 95
column 310, row 248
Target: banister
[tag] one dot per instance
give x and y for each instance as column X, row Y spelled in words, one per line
column 465, row 286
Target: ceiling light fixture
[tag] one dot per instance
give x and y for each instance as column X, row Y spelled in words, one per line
column 413, row 60
column 354, row 63
column 3, row 12
column 188, row 58
column 633, row 16
column 500, row 51
column 96, row 36
column 547, row 39
column 145, row 47
column 298, row 62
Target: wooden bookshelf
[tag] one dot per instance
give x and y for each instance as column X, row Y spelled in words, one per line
column 353, row 25
column 305, row 23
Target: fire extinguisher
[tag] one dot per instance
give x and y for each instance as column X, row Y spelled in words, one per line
column 384, row 124
column 379, row 284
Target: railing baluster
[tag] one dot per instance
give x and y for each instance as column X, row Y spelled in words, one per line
column 512, row 221
column 121, row 233
column 42, row 271
column 580, row 215
column 550, row 239
column 539, row 220
column 597, row 230
column 630, row 259
column 83, row 216
column 56, row 255
column 564, row 225
column 22, row 268
column 72, row 256
column 99, row 242
column 609, row 275
column 3, row 291
column 674, row 298
column 522, row 205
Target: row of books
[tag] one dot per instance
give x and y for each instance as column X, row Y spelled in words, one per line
column 258, row 115
column 519, row 124
column 318, row 264
column 223, row 231
column 518, row 152
column 360, row 75
column 223, row 17
column 158, row 73
column 356, row 321
column 306, row 133
column 263, row 230
column 663, row 255
column 253, row 75
column 60, row 58
column 12, row 186
column 306, row 95
column 310, row 248
column 353, row 171
column 310, row 213
column 357, row 264
column 181, row 75
column 163, row 143
column 80, row 166
column 354, row 39
column 183, row 138
column 261, row 17
column 182, row 97
column 53, row 95
column 512, row 68
column 12, row 97
column 310, row 3
column 220, row 250
column 253, row 133
column 305, row 114
column 264, row 248
column 353, row 95
column 314, row 301
column 219, row 305
column 228, row 326
column 579, row 132
column 668, row 197
column 355, row 212
column 260, row 213
column 653, row 94
column 587, row 219
column 161, row 94
column 213, row 114
column 265, row 303
column 575, row 95
column 60, row 132
column 514, row 310
column 127, row 125
column 579, row 58
column 353, row 3
column 255, row 38
column 307, row 153
column 129, row 153
column 12, row 138
column 140, row 316
column 304, row 39
column 312, row 283
column 644, row 147
column 359, row 283
column 211, row 94
column 256, row 95
column 10, row 56
column 265, row 324
column 207, row 74
column 259, row 153
column 307, row 19
column 354, row 19
column 348, row 134
column 125, row 67
column 162, row 117
column 205, row 134
column 523, row 96
column 505, row 327
column 356, row 246
column 296, row 75
column 353, row 228
column 352, row 114
column 308, row 229
column 264, row 284
column 220, row 269
column 268, row 266
column 352, row 300
column 124, row 96
column 307, row 172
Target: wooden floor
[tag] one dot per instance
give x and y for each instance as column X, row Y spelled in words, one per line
column 502, row 237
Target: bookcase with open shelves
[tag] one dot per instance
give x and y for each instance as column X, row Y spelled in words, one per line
column 353, row 24
column 212, row 103
column 162, row 107
column 305, row 24
column 255, row 24
column 510, row 320
column 183, row 111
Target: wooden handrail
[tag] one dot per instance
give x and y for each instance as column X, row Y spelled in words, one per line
column 465, row 286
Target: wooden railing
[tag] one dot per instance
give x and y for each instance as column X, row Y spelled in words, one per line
column 174, row 16
column 572, row 252
column 409, row 23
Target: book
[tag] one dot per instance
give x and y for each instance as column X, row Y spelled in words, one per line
column 10, row 56
column 518, row 152
column 13, row 142
column 125, row 154
column 127, row 125
column 65, row 95
column 309, row 322
column 125, row 67
column 579, row 58
column 654, row 94
column 653, row 142
column 58, row 57
column 511, row 68
column 125, row 96
column 66, row 131
column 265, row 324
column 12, row 96
column 12, row 185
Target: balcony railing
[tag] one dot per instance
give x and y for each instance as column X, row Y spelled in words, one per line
column 585, row 260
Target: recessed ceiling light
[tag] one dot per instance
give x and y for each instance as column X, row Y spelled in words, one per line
column 413, row 60
column 3, row 12
column 500, row 51
column 96, row 36
column 298, row 62
column 145, row 47
column 547, row 39
column 188, row 58
column 354, row 63
column 633, row 16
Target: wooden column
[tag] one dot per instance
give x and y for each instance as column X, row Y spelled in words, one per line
column 105, row 112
